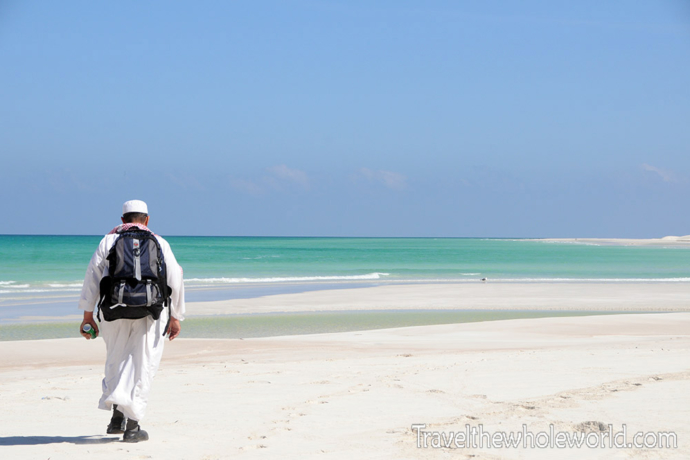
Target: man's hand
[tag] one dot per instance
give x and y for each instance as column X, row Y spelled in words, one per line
column 174, row 328
column 88, row 319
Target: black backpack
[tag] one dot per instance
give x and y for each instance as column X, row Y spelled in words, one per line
column 136, row 285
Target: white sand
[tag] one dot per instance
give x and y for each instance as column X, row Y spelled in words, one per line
column 647, row 297
column 356, row 394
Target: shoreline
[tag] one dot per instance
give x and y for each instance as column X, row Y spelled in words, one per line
column 570, row 295
column 384, row 305
column 256, row 325
column 673, row 242
column 632, row 296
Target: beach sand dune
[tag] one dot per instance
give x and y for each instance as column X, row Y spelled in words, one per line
column 357, row 394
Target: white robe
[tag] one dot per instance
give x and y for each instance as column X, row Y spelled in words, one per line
column 134, row 347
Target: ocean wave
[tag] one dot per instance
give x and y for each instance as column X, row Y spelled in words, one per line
column 28, row 291
column 8, row 287
column 69, row 285
column 369, row 276
column 578, row 243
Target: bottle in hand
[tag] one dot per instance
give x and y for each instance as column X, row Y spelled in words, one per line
column 89, row 330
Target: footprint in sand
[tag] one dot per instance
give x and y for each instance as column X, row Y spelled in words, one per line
column 591, row 426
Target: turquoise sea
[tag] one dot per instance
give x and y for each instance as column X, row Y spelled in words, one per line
column 42, row 275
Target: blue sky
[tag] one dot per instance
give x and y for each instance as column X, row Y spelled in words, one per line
column 347, row 118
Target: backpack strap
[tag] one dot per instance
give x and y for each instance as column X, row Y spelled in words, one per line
column 167, row 326
column 103, row 289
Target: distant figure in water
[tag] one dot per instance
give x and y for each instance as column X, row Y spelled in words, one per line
column 484, row 279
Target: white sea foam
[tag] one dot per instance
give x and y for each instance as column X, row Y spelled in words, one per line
column 10, row 287
column 369, row 276
column 578, row 243
column 26, row 291
column 54, row 288
column 68, row 285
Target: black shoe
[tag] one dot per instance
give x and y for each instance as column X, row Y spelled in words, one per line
column 116, row 426
column 135, row 435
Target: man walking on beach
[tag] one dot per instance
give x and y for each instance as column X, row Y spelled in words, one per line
column 139, row 308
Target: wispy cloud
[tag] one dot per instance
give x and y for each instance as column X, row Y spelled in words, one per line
column 185, row 181
column 389, row 179
column 665, row 175
column 246, row 186
column 65, row 180
column 291, row 175
column 280, row 178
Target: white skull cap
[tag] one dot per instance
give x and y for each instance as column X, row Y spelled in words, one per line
column 134, row 206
